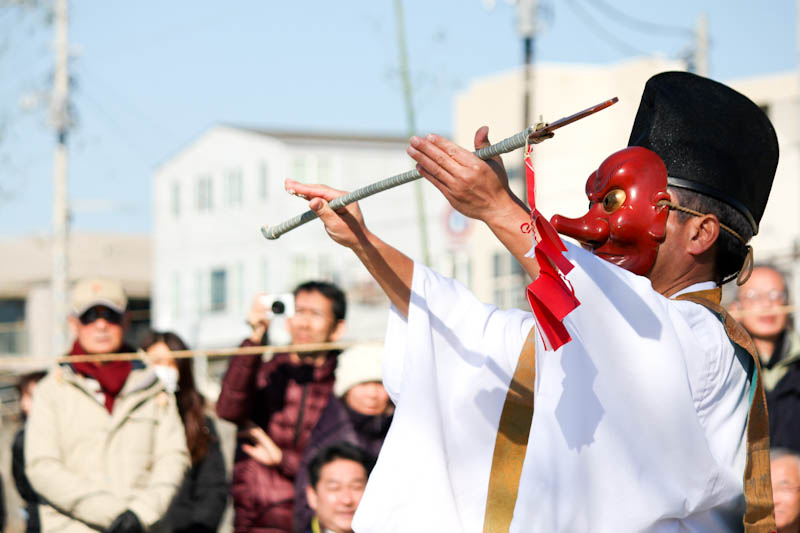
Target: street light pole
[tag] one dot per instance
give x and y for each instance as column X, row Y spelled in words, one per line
column 59, row 116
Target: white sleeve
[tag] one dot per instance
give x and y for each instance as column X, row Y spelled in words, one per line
column 475, row 331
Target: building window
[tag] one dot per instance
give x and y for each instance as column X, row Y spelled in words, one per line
column 263, row 181
column 323, row 170
column 509, row 280
column 299, row 169
column 204, row 194
column 218, row 290
column 497, row 265
column 302, row 269
column 233, row 188
column 175, row 199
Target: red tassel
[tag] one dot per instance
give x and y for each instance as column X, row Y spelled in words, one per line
column 550, row 296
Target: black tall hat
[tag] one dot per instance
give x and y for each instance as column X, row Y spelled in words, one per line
column 713, row 140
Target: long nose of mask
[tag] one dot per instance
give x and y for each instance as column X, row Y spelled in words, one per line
column 590, row 231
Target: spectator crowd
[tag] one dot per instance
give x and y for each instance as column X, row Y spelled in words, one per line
column 127, row 446
column 131, row 446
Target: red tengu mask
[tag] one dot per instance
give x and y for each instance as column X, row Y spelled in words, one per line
column 624, row 225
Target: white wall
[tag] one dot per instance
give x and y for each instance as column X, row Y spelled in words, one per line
column 189, row 246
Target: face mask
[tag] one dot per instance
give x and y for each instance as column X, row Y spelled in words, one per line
column 624, row 225
column 168, row 376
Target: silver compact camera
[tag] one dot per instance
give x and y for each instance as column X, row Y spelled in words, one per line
column 278, row 305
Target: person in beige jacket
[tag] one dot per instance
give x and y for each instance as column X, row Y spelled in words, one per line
column 105, row 446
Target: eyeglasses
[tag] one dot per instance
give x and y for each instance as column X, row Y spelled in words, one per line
column 774, row 296
column 784, row 488
column 97, row 312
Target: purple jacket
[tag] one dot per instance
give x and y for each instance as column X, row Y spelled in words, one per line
column 338, row 423
column 286, row 399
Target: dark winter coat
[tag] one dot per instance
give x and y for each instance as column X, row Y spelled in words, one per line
column 201, row 499
column 285, row 398
column 338, row 423
column 23, row 485
column 783, row 400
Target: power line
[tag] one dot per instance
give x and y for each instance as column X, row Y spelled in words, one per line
column 638, row 24
column 594, row 25
column 130, row 106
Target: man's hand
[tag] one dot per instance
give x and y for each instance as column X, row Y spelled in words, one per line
column 345, row 225
column 264, row 450
column 126, row 522
column 258, row 318
column 476, row 188
column 391, row 269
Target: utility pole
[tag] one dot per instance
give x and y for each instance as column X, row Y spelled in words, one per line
column 59, row 117
column 526, row 25
column 412, row 127
column 701, row 45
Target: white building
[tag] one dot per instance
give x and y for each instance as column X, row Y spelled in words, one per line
column 563, row 163
column 211, row 199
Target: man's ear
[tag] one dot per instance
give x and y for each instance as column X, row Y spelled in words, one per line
column 703, row 233
column 311, row 496
column 338, row 331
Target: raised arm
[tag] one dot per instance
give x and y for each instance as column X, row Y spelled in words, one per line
column 477, row 189
column 391, row 268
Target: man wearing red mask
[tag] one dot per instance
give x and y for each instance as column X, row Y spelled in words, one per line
column 105, row 447
column 650, row 403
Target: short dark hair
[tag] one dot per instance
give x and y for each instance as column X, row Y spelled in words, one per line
column 729, row 252
column 329, row 291
column 26, row 380
column 339, row 450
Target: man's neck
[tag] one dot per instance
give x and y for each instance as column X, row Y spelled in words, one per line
column 676, row 286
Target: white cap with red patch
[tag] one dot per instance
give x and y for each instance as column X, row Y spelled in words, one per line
column 90, row 292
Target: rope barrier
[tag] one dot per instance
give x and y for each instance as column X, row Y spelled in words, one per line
column 11, row 361
column 220, row 353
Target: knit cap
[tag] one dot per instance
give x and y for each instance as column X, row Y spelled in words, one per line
column 358, row 364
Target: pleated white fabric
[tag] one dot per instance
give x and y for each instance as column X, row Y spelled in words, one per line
column 638, row 422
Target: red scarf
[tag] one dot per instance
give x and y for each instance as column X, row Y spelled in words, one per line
column 111, row 375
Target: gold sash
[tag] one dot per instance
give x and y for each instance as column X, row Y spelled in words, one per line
column 511, row 442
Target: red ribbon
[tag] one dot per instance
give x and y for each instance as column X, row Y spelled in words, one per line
column 550, row 296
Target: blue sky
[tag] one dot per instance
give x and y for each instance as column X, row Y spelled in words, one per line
column 150, row 76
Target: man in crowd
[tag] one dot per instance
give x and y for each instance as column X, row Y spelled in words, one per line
column 642, row 421
column 761, row 302
column 277, row 402
column 337, row 475
column 785, row 473
column 104, row 446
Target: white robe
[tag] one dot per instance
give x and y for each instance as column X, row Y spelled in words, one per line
column 638, row 425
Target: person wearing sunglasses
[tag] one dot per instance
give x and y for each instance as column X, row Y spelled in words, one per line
column 105, row 446
column 762, row 304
